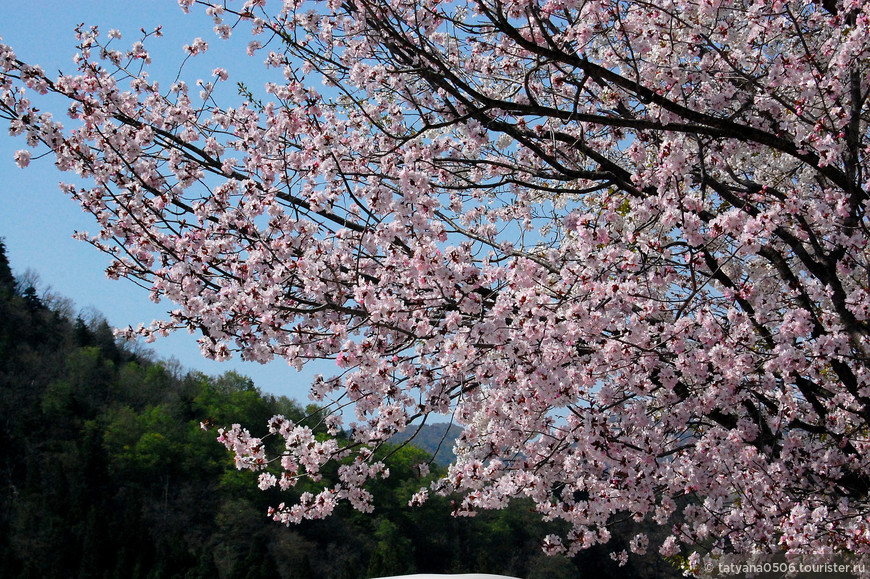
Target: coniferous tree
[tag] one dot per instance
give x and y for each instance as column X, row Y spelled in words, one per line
column 7, row 280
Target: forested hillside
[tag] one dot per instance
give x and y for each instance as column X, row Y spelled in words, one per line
column 106, row 472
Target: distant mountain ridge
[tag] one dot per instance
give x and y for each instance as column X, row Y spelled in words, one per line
column 437, row 439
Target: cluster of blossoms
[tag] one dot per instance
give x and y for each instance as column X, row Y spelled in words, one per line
column 623, row 245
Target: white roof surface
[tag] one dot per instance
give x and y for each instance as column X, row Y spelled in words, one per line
column 462, row 576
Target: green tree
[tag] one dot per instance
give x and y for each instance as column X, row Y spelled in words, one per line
column 7, row 280
column 394, row 552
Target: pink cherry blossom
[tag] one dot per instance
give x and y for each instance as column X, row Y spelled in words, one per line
column 22, row 158
column 198, row 46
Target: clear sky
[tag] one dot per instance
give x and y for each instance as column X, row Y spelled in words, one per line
column 37, row 220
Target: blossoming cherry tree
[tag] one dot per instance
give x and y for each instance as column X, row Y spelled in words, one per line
column 622, row 244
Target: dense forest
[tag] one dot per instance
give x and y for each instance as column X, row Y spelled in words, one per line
column 107, row 473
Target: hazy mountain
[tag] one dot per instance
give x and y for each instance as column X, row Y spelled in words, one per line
column 435, row 439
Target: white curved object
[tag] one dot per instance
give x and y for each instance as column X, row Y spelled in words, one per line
column 460, row 576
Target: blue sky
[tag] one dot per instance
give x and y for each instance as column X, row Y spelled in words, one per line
column 37, row 220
